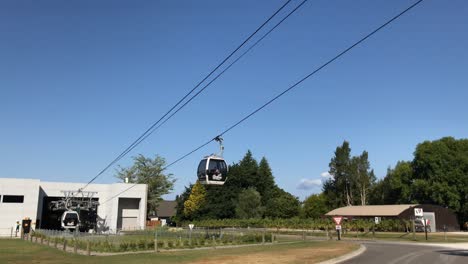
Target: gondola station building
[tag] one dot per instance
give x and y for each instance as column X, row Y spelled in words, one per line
column 119, row 207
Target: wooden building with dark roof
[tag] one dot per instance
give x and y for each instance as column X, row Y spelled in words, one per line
column 440, row 217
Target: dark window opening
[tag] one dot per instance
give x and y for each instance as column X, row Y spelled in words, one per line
column 13, row 198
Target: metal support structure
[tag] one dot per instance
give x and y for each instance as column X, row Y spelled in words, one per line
column 75, row 200
column 219, row 139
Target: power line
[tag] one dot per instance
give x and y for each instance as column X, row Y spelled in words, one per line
column 222, row 72
column 195, row 95
column 139, row 139
column 304, row 78
column 290, row 87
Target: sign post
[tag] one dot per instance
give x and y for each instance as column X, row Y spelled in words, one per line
column 426, row 222
column 191, row 227
column 418, row 212
column 338, row 220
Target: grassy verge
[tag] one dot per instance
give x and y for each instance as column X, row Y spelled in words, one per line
column 18, row 251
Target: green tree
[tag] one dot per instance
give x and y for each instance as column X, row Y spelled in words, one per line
column 249, row 204
column 362, row 177
column 149, row 171
column 437, row 175
column 221, row 202
column 180, row 200
column 248, row 168
column 315, row 206
column 398, row 183
column 339, row 186
column 195, row 201
column 377, row 193
column 265, row 181
column 282, row 205
column 441, row 168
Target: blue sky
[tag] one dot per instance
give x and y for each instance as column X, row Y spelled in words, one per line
column 79, row 81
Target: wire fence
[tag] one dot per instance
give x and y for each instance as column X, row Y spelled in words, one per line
column 8, row 232
column 154, row 239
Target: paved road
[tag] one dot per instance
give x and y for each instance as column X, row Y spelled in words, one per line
column 391, row 253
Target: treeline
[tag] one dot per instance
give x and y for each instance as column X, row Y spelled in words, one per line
column 438, row 174
column 249, row 192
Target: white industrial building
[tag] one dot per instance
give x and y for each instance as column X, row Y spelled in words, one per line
column 120, row 207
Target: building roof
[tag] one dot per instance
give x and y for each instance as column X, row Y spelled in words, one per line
column 166, row 209
column 371, row 210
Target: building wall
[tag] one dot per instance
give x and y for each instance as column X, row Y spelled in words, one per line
column 34, row 192
column 443, row 217
column 12, row 212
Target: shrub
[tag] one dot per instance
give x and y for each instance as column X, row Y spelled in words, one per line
column 141, row 244
column 132, row 246
column 123, row 246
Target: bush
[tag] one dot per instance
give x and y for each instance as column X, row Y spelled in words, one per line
column 142, row 244
column 132, row 246
column 123, row 246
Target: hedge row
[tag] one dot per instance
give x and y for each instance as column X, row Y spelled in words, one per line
column 385, row 225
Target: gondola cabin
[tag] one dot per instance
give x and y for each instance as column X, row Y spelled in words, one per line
column 70, row 220
column 212, row 170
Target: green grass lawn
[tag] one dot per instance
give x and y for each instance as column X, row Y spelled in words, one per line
column 18, row 251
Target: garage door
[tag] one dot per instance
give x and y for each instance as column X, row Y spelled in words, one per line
column 129, row 223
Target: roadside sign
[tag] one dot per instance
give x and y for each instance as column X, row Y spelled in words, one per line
column 377, row 220
column 337, row 219
column 427, row 222
column 418, row 212
column 338, row 227
column 191, row 226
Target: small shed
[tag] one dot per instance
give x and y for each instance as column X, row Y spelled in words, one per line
column 439, row 216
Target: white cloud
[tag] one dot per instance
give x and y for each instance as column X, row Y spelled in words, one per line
column 307, row 184
column 325, row 174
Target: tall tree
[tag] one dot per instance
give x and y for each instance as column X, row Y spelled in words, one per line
column 341, row 180
column 249, row 204
column 437, row 175
column 265, row 181
column 248, row 171
column 441, row 174
column 180, row 200
column 362, row 176
column 195, row 202
column 221, row 201
column 149, row 171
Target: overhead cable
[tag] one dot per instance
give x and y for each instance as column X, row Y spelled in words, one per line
column 143, row 136
column 333, row 59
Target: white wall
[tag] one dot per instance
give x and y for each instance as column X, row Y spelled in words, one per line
column 34, row 191
column 12, row 212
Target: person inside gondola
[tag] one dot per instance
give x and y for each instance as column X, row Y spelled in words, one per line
column 217, row 175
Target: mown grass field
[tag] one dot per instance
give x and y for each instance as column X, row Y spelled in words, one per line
column 19, row 252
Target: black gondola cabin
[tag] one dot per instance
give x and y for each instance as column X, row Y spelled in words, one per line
column 212, row 170
column 70, row 220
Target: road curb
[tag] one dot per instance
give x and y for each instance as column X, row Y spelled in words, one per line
column 345, row 257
